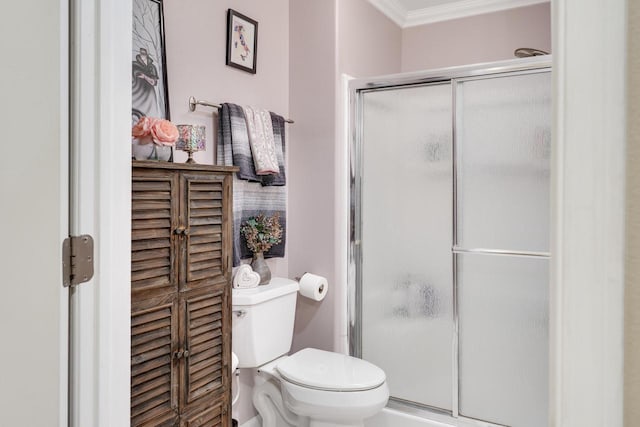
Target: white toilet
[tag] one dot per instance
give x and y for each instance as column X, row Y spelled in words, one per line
column 310, row 388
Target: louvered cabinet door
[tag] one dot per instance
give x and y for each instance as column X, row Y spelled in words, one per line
column 212, row 417
column 154, row 217
column 180, row 282
column 204, row 216
column 154, row 367
column 205, row 381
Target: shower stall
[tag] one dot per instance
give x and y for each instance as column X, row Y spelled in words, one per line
column 449, row 241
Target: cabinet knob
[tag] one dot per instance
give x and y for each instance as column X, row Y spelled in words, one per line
column 178, row 354
column 178, row 231
column 186, row 353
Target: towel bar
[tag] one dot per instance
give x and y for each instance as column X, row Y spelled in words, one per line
column 193, row 102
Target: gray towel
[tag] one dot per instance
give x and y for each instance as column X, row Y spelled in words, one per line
column 233, row 141
column 250, row 199
column 250, row 196
column 278, row 136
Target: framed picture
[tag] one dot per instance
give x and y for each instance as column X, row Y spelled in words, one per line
column 242, row 41
column 149, row 91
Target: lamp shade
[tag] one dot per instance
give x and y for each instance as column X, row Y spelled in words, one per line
column 192, row 139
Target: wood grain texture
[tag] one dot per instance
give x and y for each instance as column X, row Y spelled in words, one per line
column 154, row 217
column 154, row 338
column 180, row 295
column 212, row 417
column 202, row 215
column 204, row 318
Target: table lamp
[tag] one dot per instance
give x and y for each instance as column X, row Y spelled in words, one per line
column 192, row 139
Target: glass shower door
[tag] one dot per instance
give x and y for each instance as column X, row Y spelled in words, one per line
column 502, row 247
column 407, row 220
column 451, row 243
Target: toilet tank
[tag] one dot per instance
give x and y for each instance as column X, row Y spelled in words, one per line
column 262, row 321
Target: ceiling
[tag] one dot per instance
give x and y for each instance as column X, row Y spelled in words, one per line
column 421, row 4
column 410, row 13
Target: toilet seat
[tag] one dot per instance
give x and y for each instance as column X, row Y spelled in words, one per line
column 323, row 370
column 344, row 408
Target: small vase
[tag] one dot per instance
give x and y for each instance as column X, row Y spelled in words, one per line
column 259, row 265
column 144, row 149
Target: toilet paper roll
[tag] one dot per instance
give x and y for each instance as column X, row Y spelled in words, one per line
column 313, row 286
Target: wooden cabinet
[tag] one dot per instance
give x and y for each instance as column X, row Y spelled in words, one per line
column 180, row 295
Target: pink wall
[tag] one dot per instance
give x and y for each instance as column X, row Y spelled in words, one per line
column 196, row 47
column 312, row 170
column 369, row 43
column 196, row 53
column 328, row 38
column 482, row 38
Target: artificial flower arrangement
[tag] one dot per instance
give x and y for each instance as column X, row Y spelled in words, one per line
column 158, row 131
column 262, row 232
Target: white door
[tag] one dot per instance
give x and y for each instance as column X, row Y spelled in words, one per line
column 34, row 213
column 100, row 50
column 66, row 169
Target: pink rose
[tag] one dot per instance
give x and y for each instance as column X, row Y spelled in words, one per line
column 164, row 132
column 143, row 127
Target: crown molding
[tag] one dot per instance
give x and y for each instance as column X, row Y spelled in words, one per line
column 393, row 9
column 462, row 9
column 444, row 12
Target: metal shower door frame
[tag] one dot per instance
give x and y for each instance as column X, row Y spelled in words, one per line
column 357, row 88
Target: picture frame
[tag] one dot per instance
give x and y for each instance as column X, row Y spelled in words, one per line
column 149, row 89
column 242, row 41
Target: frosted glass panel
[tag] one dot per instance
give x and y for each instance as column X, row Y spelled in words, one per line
column 406, row 240
column 504, row 337
column 503, row 149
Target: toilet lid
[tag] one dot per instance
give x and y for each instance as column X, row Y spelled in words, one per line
column 324, row 370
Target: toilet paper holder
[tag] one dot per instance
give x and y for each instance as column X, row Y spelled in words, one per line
column 297, row 279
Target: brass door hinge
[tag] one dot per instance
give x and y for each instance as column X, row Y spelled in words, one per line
column 77, row 260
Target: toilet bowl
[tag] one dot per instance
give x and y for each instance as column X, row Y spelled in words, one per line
column 310, row 388
column 234, row 373
column 320, row 388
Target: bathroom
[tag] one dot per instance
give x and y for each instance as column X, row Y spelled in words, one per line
column 301, row 74
column 308, row 53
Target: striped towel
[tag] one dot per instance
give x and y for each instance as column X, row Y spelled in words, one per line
column 233, row 142
column 279, row 139
column 251, row 196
